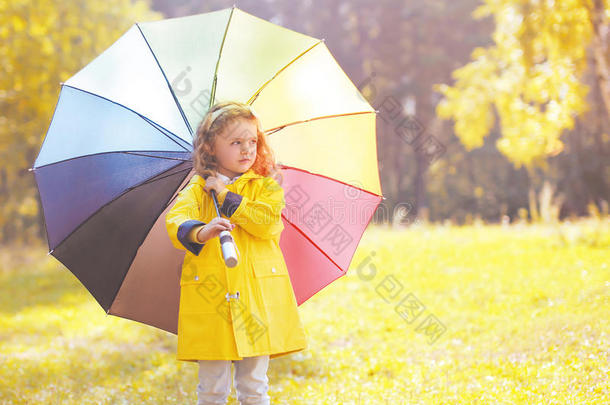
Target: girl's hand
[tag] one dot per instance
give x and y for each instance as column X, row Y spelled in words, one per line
column 214, row 183
column 213, row 228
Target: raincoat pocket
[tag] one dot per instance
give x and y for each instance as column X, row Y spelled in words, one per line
column 273, row 280
column 269, row 268
column 202, row 292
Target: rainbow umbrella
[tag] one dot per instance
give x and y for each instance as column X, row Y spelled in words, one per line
column 118, row 150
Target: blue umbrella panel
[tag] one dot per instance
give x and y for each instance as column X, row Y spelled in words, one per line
column 105, row 176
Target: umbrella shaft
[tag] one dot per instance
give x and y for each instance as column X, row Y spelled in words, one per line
column 215, row 202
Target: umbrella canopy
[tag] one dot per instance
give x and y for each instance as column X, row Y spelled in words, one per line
column 118, row 150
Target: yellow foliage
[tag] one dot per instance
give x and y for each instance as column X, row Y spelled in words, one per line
column 28, row 207
column 530, row 77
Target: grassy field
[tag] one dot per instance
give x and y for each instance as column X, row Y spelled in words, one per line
column 522, row 316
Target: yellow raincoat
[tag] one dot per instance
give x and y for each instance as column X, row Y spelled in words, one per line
column 248, row 310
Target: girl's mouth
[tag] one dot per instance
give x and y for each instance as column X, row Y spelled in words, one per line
column 244, row 161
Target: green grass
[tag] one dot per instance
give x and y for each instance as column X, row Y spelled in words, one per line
column 526, row 311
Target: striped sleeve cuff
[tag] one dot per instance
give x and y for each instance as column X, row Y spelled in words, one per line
column 183, row 236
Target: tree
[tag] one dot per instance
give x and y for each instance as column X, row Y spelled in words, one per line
column 43, row 44
column 530, row 77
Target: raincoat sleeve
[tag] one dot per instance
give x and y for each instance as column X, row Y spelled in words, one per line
column 181, row 220
column 260, row 215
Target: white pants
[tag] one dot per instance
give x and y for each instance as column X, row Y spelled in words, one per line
column 250, row 380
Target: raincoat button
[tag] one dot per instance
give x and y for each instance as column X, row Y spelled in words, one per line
column 196, row 278
column 229, row 296
column 273, row 270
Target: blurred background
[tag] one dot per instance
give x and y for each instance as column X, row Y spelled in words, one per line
column 488, row 110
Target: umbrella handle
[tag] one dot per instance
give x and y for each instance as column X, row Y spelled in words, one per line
column 227, row 244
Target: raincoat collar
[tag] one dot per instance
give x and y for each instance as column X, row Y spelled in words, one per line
column 227, row 179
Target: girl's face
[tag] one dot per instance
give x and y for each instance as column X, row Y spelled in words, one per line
column 235, row 147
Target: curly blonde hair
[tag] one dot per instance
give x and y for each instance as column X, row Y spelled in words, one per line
column 205, row 162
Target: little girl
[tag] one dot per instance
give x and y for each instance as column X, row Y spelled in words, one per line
column 247, row 314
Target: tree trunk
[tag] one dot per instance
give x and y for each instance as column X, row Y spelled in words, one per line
column 421, row 204
column 601, row 50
